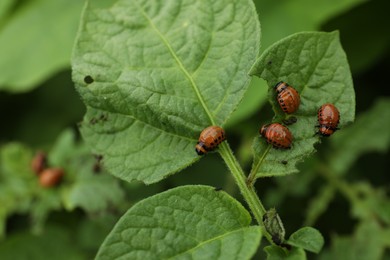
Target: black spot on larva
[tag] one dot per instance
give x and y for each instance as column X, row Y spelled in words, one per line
column 290, row 120
column 269, row 63
column 88, row 79
column 284, row 162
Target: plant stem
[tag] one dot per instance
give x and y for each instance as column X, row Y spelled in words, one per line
column 252, row 175
column 344, row 188
column 246, row 190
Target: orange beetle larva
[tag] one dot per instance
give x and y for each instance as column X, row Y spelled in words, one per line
column 278, row 135
column 328, row 119
column 209, row 139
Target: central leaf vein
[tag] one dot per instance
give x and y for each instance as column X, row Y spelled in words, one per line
column 205, row 242
column 180, row 64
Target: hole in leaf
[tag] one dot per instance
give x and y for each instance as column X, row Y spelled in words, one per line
column 88, row 79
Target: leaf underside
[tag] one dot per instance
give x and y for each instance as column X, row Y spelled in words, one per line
column 189, row 222
column 315, row 64
column 153, row 74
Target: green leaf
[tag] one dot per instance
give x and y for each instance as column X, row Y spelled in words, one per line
column 189, row 222
column 298, row 15
column 367, row 242
column 5, row 6
column 54, row 243
column 278, row 253
column 307, row 238
column 83, row 187
column 93, row 193
column 373, row 201
column 315, row 64
column 351, row 142
column 44, row 48
column 17, row 181
column 153, row 74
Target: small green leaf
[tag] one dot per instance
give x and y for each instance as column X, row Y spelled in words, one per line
column 189, row 222
column 44, row 48
column 154, row 74
column 315, row 64
column 93, row 193
column 307, row 238
column 352, row 142
column 278, row 253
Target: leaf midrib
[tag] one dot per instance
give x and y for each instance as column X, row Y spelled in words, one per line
column 202, row 243
column 180, row 64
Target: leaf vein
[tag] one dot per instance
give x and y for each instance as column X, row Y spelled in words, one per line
column 180, row 64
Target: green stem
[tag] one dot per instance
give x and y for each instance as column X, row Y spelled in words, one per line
column 252, row 175
column 246, row 190
column 339, row 184
column 346, row 190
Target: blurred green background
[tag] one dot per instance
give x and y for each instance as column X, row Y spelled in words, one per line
column 342, row 190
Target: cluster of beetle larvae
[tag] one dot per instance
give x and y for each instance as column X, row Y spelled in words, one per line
column 48, row 176
column 276, row 134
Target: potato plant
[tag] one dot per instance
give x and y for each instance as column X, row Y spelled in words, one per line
column 152, row 75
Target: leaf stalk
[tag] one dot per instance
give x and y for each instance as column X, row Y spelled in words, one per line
column 247, row 189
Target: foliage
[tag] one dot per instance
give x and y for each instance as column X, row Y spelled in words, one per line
column 154, row 105
column 45, row 57
column 81, row 187
column 152, row 76
column 316, row 65
column 194, row 222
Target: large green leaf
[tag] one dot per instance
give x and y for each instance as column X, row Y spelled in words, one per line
column 5, row 7
column 189, row 222
column 37, row 42
column 153, row 74
column 315, row 64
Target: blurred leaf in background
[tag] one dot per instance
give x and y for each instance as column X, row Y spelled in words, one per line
column 83, row 186
column 36, row 41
